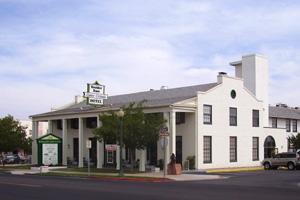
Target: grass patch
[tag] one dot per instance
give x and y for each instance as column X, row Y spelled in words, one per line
column 95, row 170
column 14, row 167
column 101, row 176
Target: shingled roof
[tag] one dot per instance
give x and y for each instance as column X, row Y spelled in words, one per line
column 154, row 98
column 282, row 112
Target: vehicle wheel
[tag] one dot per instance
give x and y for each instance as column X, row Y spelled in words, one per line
column 267, row 166
column 291, row 166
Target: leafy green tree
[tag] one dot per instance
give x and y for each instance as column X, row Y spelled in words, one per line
column 139, row 129
column 295, row 141
column 12, row 136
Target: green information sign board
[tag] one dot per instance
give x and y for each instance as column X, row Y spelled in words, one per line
column 49, row 149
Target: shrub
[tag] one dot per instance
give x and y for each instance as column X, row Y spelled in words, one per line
column 191, row 160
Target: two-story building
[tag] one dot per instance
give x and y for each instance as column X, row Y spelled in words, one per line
column 223, row 124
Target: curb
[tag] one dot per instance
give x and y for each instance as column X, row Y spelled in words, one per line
column 222, row 170
column 101, row 178
column 132, row 179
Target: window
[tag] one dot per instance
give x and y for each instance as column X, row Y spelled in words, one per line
column 288, row 125
column 180, row 118
column 233, row 149
column 207, row 149
column 255, row 118
column 74, row 123
column 255, row 152
column 233, row 94
column 207, row 114
column 274, row 122
column 59, row 125
column 294, row 125
column 91, row 122
column 233, row 117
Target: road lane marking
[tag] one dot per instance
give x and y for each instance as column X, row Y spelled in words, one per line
column 19, row 184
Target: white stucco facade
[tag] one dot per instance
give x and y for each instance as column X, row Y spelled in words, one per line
column 231, row 133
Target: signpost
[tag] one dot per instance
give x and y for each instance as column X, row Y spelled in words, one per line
column 95, row 94
column 164, row 133
column 88, row 146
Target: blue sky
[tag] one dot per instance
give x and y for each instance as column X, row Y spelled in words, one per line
column 50, row 49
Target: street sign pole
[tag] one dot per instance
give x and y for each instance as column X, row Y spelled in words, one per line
column 89, row 162
column 164, row 133
column 88, row 146
column 164, row 138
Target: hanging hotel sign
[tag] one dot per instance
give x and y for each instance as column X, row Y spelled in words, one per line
column 95, row 94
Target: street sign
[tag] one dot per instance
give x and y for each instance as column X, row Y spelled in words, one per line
column 165, row 129
column 88, row 144
column 163, row 132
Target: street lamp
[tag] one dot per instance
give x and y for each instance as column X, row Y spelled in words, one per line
column 121, row 115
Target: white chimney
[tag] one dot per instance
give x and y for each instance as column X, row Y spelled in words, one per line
column 254, row 69
column 79, row 99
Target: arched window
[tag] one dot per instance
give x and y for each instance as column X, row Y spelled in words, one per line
column 269, row 147
column 269, row 142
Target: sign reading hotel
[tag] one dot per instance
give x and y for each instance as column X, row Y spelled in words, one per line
column 95, row 94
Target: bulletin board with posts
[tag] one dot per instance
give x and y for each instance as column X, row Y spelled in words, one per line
column 49, row 150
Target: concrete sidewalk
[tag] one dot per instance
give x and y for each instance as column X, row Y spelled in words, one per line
column 185, row 176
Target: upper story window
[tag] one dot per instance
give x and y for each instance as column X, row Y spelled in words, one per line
column 274, row 122
column 74, row 123
column 180, row 118
column 233, row 94
column 207, row 114
column 294, row 125
column 91, row 122
column 288, row 125
column 233, row 116
column 255, row 118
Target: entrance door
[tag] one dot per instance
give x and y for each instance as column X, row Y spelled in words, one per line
column 93, row 150
column 110, row 157
column 179, row 149
column 269, row 147
column 75, row 149
column 152, row 154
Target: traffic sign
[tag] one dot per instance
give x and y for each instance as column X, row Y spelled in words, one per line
column 163, row 132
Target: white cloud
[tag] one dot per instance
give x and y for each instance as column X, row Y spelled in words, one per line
column 132, row 46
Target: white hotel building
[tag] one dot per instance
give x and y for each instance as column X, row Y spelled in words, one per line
column 224, row 124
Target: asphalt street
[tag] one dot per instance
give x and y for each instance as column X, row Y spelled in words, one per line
column 254, row 185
